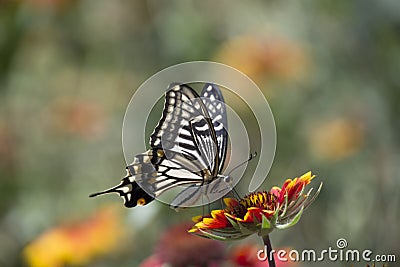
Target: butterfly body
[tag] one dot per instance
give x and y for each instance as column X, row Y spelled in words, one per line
column 188, row 148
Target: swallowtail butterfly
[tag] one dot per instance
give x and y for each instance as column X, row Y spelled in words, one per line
column 188, row 147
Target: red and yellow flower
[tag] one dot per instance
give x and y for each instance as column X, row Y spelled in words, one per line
column 258, row 212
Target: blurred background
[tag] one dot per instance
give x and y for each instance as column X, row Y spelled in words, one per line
column 68, row 69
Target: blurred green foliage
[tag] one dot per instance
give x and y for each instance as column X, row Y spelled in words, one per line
column 329, row 70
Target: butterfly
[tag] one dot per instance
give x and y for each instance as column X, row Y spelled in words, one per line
column 189, row 147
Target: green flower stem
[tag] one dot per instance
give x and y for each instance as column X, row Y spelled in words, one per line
column 267, row 243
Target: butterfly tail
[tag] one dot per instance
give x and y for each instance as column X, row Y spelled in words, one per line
column 130, row 192
column 108, row 191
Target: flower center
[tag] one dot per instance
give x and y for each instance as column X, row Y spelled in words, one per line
column 262, row 200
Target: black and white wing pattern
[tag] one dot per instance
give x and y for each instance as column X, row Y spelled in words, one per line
column 188, row 147
column 155, row 173
column 186, row 128
column 215, row 104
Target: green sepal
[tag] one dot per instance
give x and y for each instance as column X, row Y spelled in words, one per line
column 275, row 218
column 245, row 229
column 265, row 224
column 211, row 236
column 291, row 222
column 239, row 226
column 234, row 223
column 285, row 205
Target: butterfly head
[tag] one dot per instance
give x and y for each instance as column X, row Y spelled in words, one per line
column 226, row 178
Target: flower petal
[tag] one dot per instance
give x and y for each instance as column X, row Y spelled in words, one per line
column 230, row 202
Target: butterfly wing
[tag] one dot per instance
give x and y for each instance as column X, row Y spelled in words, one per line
column 186, row 128
column 216, row 110
column 153, row 172
column 215, row 104
column 170, row 169
column 129, row 191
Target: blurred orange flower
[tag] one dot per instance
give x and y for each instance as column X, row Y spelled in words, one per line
column 75, row 244
column 336, row 139
column 259, row 58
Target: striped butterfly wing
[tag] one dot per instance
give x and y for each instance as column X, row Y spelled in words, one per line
column 152, row 173
column 215, row 104
column 216, row 110
column 186, row 128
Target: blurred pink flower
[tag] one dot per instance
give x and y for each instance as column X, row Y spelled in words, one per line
column 246, row 256
column 180, row 249
column 152, row 261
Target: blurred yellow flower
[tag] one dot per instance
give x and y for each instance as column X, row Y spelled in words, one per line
column 262, row 58
column 75, row 244
column 336, row 139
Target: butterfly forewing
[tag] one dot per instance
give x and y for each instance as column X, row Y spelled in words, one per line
column 186, row 128
column 215, row 104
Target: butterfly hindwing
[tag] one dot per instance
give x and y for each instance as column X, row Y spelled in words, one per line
column 170, row 170
column 129, row 191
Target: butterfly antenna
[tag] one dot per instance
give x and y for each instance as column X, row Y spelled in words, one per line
column 252, row 156
column 235, row 193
